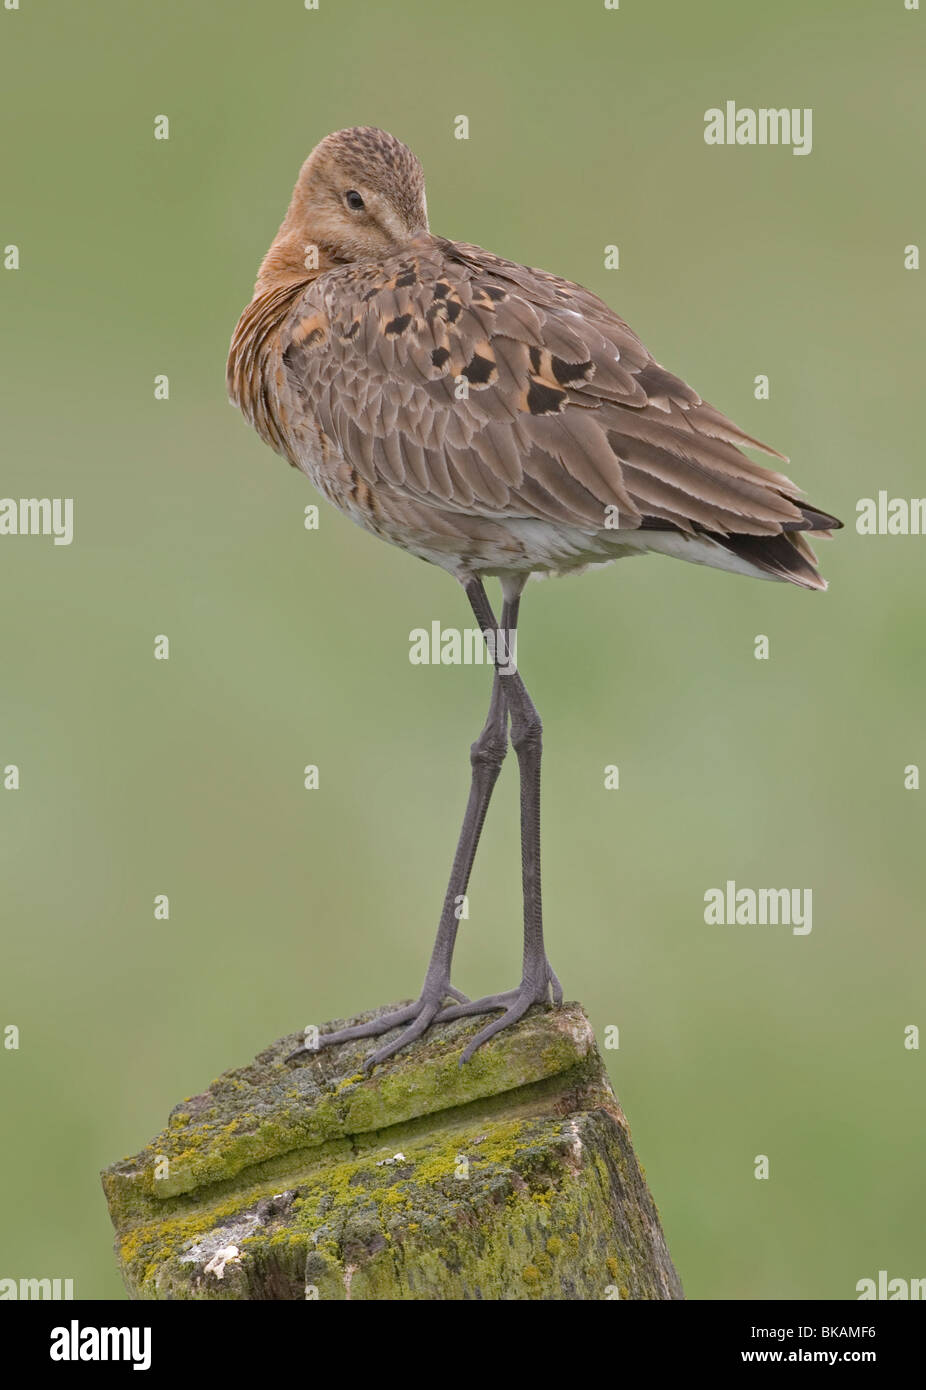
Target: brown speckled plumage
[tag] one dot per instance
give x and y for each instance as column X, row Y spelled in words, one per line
column 501, row 418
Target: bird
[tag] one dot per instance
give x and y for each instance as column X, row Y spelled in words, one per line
column 496, row 421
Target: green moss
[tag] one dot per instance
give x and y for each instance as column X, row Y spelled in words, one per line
column 296, row 1167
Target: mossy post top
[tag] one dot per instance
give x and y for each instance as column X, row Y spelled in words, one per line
column 422, row 1179
column 268, row 1108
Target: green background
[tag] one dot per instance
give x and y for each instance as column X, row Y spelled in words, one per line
column 290, row 647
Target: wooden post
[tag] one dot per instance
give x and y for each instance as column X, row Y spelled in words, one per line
column 512, row 1177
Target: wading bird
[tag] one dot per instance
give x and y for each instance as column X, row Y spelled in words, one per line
column 495, row 421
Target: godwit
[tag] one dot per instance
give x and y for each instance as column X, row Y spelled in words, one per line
column 493, row 420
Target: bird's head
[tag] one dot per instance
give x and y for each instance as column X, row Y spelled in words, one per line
column 359, row 196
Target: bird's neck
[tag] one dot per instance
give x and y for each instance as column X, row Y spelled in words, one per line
column 293, row 259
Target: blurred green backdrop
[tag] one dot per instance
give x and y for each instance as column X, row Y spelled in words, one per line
column 290, row 647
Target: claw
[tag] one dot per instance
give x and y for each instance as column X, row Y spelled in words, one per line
column 423, row 1021
column 524, row 999
column 419, row 1016
column 363, row 1030
column 422, row 1008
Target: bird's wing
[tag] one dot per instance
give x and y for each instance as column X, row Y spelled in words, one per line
column 474, row 384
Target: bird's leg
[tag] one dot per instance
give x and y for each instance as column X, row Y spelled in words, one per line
column 538, row 978
column 486, row 756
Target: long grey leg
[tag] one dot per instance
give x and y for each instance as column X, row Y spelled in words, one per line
column 526, row 736
column 486, row 757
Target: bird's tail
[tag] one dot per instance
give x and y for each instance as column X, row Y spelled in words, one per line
column 789, row 555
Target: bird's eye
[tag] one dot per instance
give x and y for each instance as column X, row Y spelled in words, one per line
column 353, row 199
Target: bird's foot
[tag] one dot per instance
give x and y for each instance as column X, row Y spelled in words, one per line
column 426, row 1007
column 514, row 1004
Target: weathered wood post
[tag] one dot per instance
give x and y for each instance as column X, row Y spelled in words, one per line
column 510, row 1178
